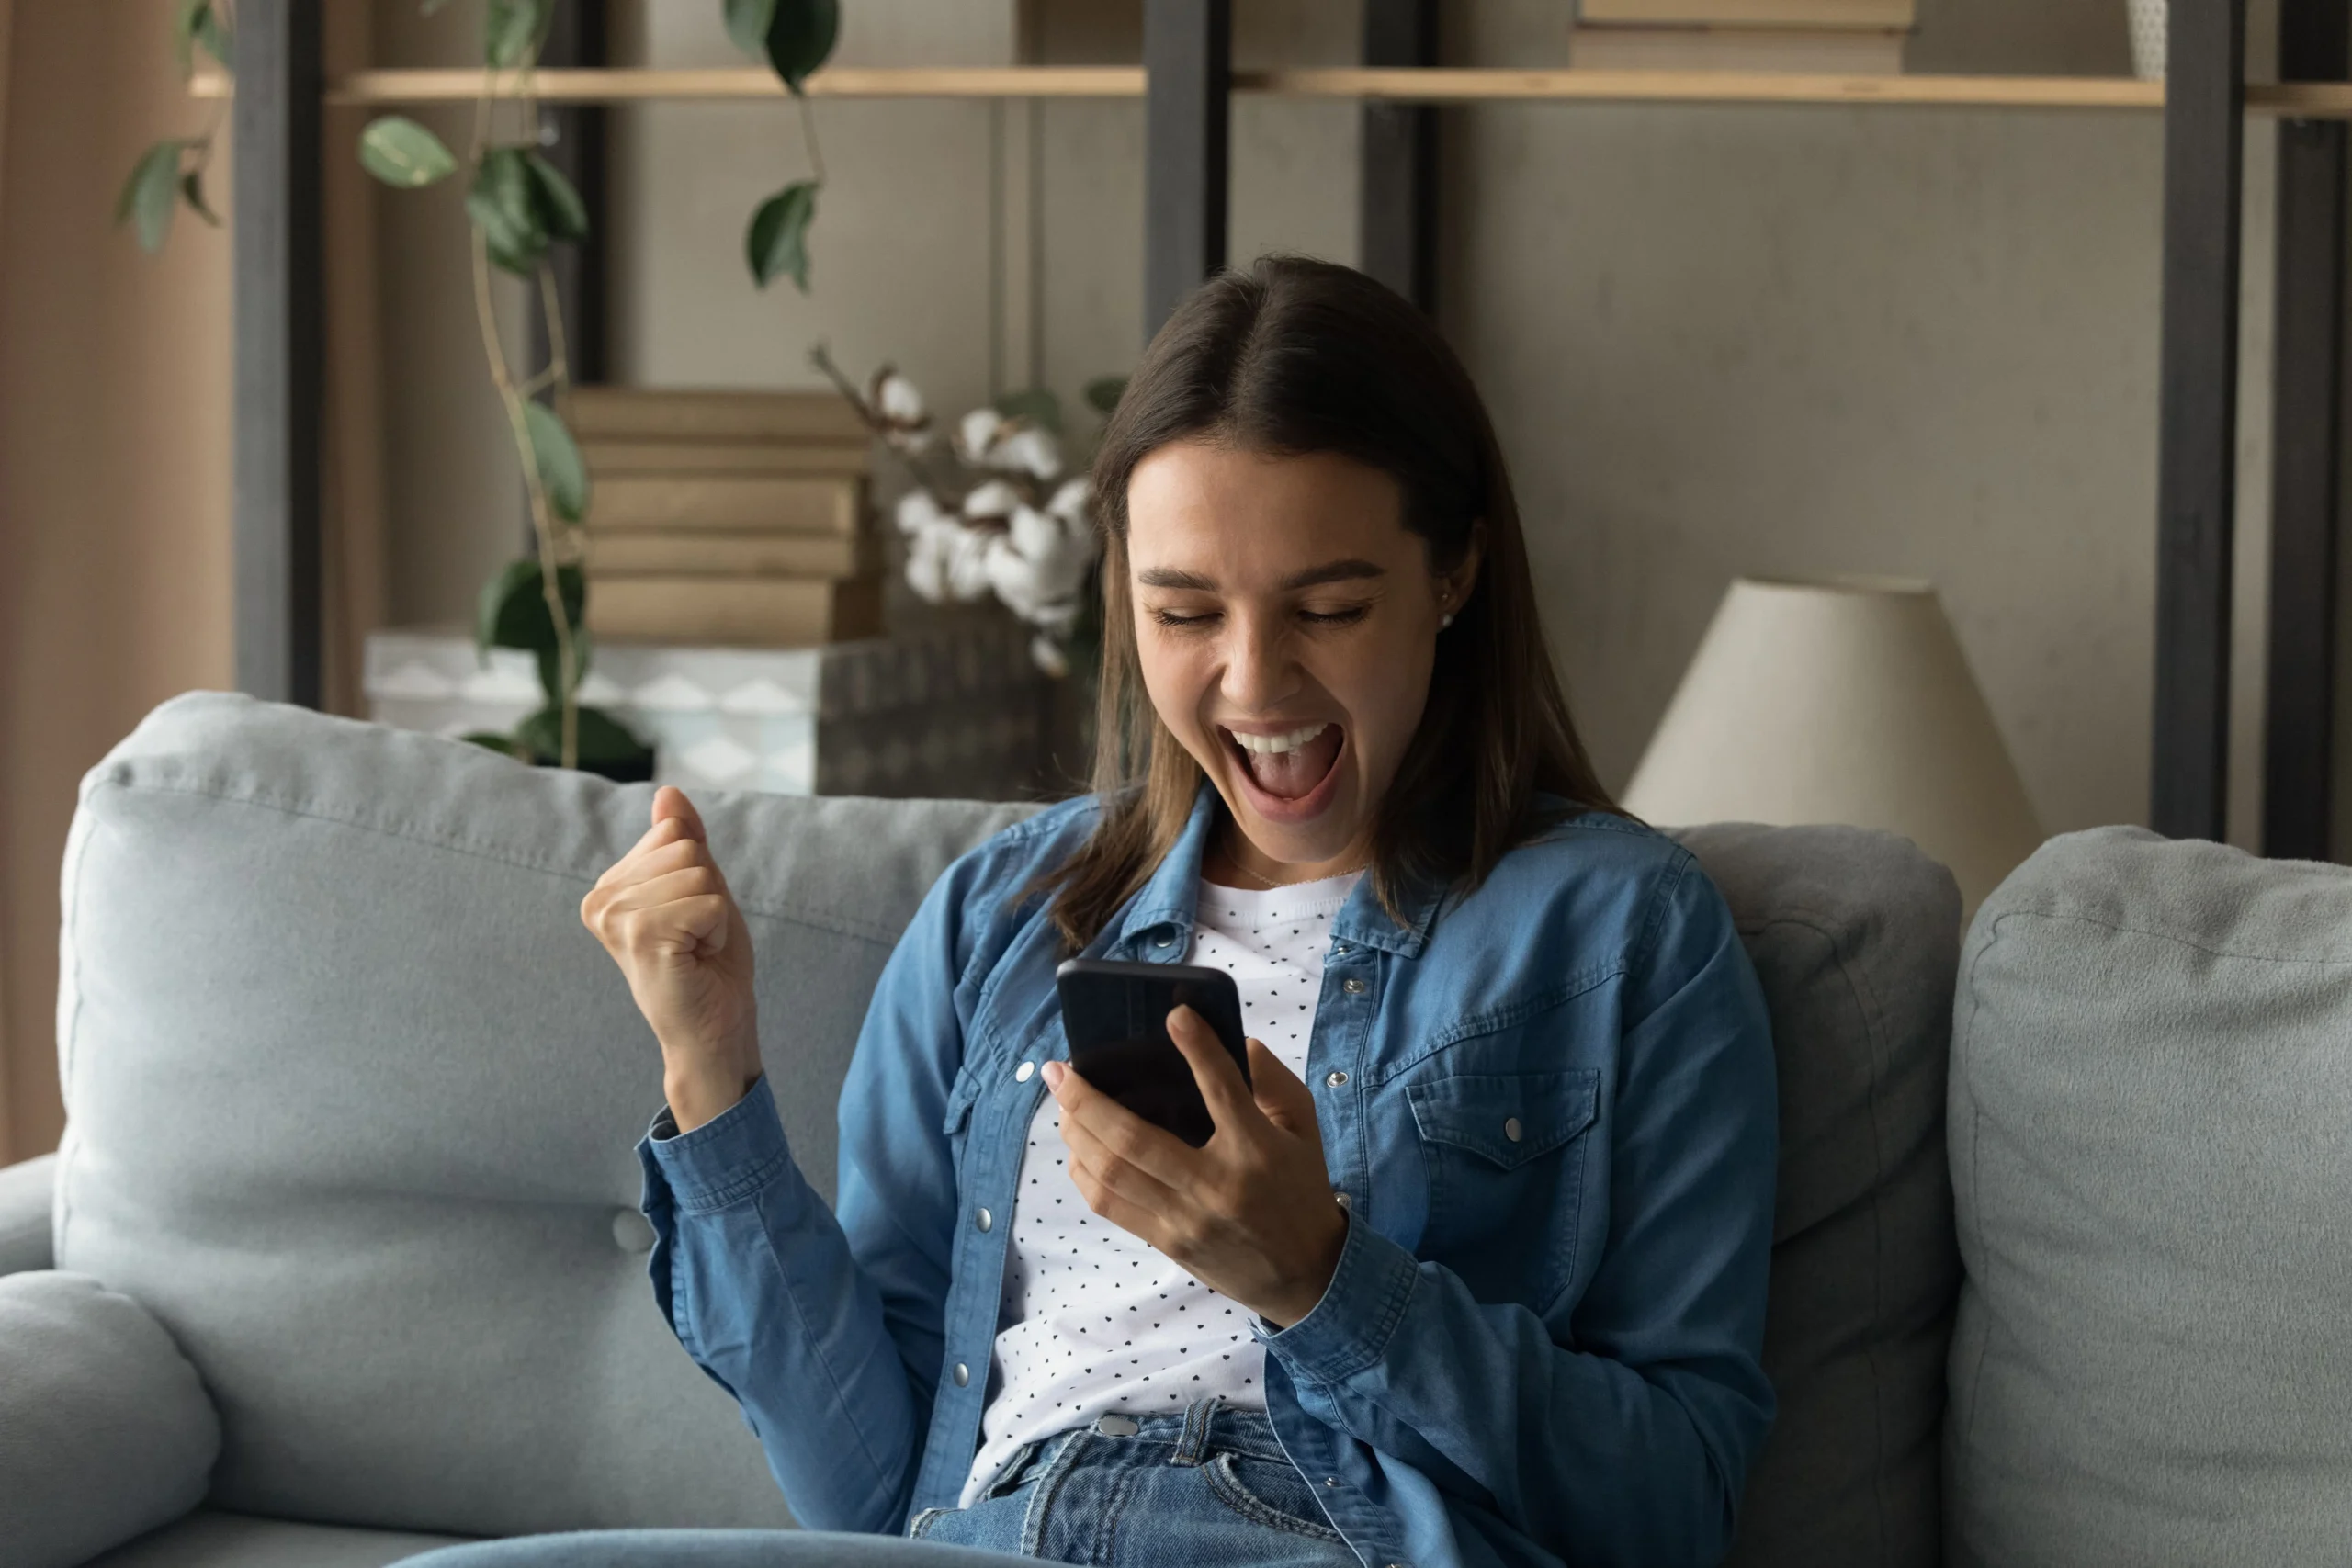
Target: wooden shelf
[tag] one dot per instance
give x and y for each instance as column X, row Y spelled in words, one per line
column 1427, row 86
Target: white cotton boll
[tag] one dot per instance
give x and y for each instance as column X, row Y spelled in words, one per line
column 968, row 566
column 917, row 511
column 994, row 499
column 1060, row 571
column 1069, row 502
column 1035, row 534
column 1014, row 578
column 927, row 562
column 977, row 431
column 1047, row 655
column 1029, row 450
column 898, row 400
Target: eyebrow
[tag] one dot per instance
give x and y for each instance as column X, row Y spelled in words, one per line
column 1329, row 571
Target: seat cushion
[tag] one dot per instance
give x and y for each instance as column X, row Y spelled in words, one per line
column 2152, row 1151
column 213, row 1539
column 352, row 1098
column 1854, row 936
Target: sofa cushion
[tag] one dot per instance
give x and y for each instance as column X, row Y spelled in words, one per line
column 352, row 1098
column 213, row 1539
column 1854, row 936
column 2152, row 1151
column 104, row 1430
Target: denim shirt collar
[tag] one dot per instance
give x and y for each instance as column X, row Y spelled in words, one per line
column 1158, row 922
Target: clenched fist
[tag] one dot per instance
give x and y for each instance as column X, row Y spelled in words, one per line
column 666, row 915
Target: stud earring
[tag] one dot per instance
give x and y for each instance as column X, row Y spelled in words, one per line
column 1445, row 620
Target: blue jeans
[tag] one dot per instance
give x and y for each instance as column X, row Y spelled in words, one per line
column 1206, row 1489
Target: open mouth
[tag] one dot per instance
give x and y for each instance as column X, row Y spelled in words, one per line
column 1291, row 770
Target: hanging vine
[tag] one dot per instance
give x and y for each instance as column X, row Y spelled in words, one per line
column 519, row 205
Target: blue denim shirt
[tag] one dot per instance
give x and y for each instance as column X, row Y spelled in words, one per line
column 1557, row 1136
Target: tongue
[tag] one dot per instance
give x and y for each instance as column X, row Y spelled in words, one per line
column 1289, row 774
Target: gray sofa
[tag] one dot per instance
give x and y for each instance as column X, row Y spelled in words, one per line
column 341, row 1257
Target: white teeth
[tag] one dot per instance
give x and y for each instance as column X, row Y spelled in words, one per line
column 1275, row 745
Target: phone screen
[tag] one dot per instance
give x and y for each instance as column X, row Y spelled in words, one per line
column 1116, row 1016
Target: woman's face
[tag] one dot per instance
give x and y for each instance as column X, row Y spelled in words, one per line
column 1286, row 622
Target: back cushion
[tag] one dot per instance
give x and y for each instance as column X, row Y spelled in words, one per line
column 352, row 1095
column 2151, row 1148
column 1854, row 936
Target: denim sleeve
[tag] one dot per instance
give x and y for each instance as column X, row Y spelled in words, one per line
column 1626, row 1431
column 827, row 1329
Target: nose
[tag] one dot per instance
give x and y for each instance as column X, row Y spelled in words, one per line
column 1259, row 673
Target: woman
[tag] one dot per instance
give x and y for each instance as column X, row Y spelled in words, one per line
column 1475, row 1272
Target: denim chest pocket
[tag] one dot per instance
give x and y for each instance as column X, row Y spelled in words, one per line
column 1505, row 1156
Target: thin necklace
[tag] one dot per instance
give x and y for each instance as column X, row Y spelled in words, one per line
column 1266, row 885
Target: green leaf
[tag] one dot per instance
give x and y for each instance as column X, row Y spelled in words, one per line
column 199, row 24
column 1103, row 392
column 503, row 204
column 601, row 737
column 512, row 30
column 777, row 243
column 511, row 611
column 192, row 192
column 1036, row 404
column 563, row 215
column 151, row 194
column 747, row 24
column 562, row 472
column 800, row 36
column 213, row 32
column 403, row 153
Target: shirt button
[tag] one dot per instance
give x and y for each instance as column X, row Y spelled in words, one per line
column 1511, row 1129
column 1338, row 949
column 1354, row 988
column 963, row 1375
column 1117, row 1426
column 1345, row 1201
column 1335, row 1078
column 1331, row 1481
column 984, row 1219
column 1024, row 1072
column 1163, row 942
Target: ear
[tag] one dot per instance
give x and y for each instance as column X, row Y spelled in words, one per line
column 1454, row 587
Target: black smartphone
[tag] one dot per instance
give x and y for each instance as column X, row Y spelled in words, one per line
column 1117, row 1017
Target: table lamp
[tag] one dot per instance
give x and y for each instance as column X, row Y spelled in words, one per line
column 1843, row 700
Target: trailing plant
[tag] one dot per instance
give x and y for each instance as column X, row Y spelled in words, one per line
column 520, row 205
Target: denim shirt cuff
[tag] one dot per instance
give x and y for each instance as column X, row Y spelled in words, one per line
column 726, row 1158
column 1349, row 1328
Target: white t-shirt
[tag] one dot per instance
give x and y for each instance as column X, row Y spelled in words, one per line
column 1094, row 1318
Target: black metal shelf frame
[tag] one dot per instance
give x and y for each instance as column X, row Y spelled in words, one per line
column 279, row 345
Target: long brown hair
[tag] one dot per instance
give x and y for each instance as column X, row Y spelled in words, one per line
column 1294, row 356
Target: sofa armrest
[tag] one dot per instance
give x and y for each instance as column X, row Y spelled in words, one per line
column 105, row 1428
column 28, row 1190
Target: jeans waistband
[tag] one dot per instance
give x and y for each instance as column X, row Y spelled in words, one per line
column 1204, row 1426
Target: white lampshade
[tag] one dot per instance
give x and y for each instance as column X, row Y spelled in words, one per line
column 1846, row 700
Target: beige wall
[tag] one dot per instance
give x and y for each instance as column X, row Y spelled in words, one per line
column 1792, row 340
column 1717, row 341
column 114, row 471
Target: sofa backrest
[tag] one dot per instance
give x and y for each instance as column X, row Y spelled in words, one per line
column 353, row 1097
column 2152, row 1142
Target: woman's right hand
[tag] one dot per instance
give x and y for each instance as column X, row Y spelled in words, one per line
column 666, row 915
